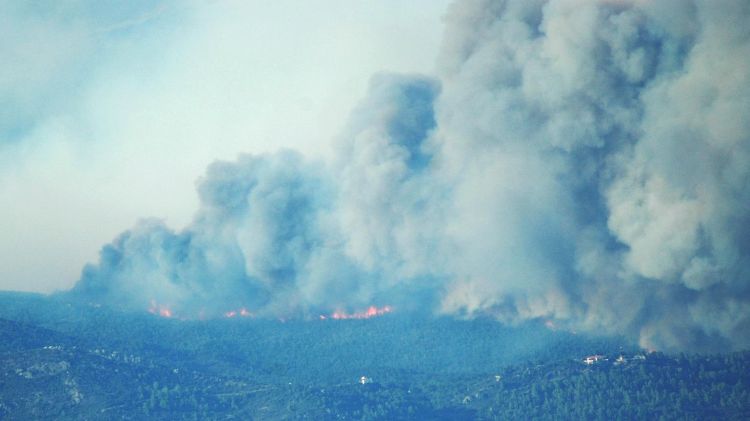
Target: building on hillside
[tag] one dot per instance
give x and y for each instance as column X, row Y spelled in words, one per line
column 591, row 359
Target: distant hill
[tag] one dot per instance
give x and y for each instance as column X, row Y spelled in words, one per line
column 61, row 360
column 313, row 350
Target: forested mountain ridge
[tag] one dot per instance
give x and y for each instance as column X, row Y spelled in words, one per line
column 59, row 360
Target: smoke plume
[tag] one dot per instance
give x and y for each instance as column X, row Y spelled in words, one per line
column 585, row 162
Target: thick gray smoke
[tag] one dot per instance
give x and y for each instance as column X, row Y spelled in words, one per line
column 585, row 162
column 281, row 236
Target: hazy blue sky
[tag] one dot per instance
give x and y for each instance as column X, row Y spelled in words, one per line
column 112, row 110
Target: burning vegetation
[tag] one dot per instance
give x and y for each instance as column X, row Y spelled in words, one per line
column 163, row 310
column 371, row 311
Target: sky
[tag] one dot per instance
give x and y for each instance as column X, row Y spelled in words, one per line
column 579, row 162
column 112, row 110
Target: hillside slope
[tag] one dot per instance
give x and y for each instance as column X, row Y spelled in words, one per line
column 63, row 361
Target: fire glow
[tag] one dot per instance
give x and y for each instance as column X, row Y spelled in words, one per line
column 165, row 311
column 371, row 312
column 243, row 312
column 160, row 310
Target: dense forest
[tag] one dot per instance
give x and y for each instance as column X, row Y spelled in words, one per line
column 61, row 360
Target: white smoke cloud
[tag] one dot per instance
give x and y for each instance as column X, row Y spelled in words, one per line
column 590, row 147
column 580, row 161
column 110, row 110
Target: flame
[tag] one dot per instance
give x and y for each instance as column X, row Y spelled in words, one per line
column 165, row 311
column 160, row 310
column 243, row 312
column 371, row 311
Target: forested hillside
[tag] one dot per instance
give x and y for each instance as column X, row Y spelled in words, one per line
column 61, row 360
